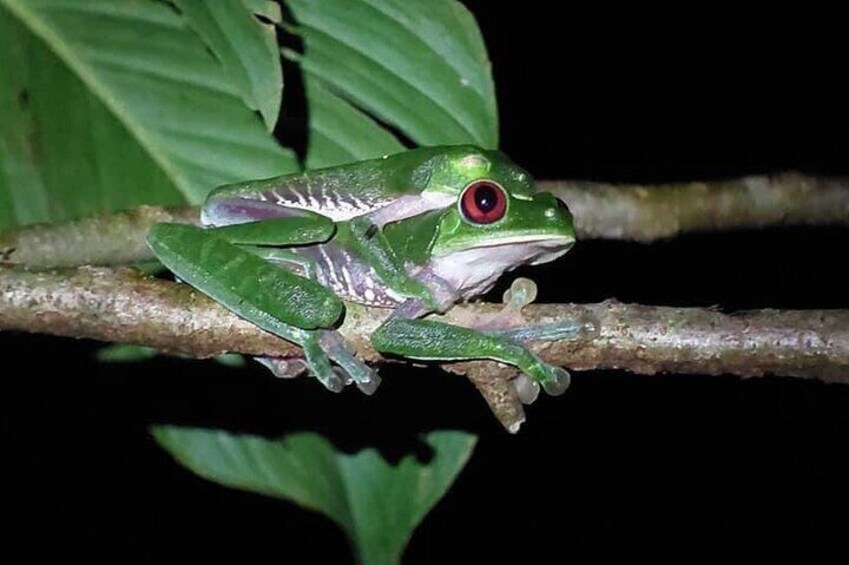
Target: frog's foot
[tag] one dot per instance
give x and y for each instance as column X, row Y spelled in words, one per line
column 522, row 292
column 554, row 380
column 526, row 388
column 333, row 345
column 510, row 323
column 292, row 367
column 284, row 368
column 323, row 348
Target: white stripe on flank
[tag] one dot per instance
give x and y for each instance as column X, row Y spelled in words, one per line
column 331, row 270
column 347, row 275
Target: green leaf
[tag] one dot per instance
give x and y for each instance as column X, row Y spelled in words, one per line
column 62, row 153
column 420, row 67
column 268, row 9
column 154, row 75
column 340, row 133
column 246, row 48
column 123, row 353
column 377, row 504
column 230, row 360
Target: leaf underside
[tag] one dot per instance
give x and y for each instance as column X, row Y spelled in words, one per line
column 63, row 154
column 372, row 66
column 246, row 48
column 167, row 94
column 110, row 104
column 376, row 503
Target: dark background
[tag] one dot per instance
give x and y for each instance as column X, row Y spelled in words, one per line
column 621, row 461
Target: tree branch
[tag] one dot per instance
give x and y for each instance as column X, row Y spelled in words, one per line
column 105, row 239
column 119, row 305
column 649, row 213
column 629, row 212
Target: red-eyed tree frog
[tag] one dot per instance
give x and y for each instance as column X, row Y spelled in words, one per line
column 416, row 231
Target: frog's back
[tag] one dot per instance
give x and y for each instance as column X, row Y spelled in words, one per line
column 341, row 192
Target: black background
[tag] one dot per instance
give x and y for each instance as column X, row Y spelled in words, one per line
column 621, row 461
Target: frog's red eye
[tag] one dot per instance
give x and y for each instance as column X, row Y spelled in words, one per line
column 483, row 202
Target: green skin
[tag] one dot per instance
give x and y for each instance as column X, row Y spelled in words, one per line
column 389, row 232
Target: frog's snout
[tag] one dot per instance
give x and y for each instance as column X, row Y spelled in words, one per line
column 550, row 200
column 556, row 209
column 558, row 218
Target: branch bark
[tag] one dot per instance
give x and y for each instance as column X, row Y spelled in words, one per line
column 649, row 213
column 106, row 239
column 606, row 211
column 122, row 306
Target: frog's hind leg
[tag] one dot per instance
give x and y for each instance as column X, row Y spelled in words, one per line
column 266, row 294
column 437, row 341
column 320, row 347
column 315, row 360
column 366, row 378
column 284, row 367
column 328, row 341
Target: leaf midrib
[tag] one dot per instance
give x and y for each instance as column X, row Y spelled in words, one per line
column 63, row 51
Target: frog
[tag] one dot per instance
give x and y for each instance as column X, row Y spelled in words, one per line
column 414, row 232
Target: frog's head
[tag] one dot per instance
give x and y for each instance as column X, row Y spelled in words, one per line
column 497, row 222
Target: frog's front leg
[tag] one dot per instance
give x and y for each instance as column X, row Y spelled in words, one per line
column 328, row 341
column 424, row 288
column 245, row 281
column 404, row 335
column 430, row 340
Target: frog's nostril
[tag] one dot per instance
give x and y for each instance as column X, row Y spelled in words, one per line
column 561, row 204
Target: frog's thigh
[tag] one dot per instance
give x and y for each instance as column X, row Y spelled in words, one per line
column 437, row 341
column 272, row 298
column 371, row 244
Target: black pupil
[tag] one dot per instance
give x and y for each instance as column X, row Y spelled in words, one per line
column 486, row 197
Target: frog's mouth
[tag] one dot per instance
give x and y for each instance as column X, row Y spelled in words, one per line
column 541, row 248
column 531, row 240
column 537, row 248
column 542, row 238
column 474, row 270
